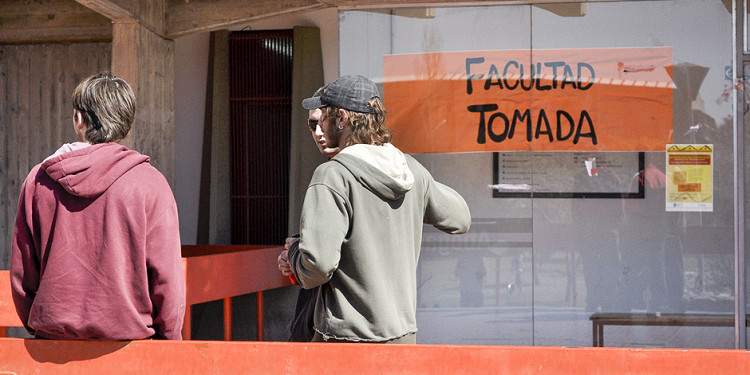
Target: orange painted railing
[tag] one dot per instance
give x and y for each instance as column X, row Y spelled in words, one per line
column 220, row 275
column 220, row 272
column 8, row 315
column 212, row 272
column 29, row 356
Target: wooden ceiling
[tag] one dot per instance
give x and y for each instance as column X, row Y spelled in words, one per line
column 36, row 21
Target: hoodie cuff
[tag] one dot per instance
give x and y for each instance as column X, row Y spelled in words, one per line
column 292, row 255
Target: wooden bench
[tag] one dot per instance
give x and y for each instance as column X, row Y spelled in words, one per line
column 31, row 356
column 212, row 272
column 599, row 320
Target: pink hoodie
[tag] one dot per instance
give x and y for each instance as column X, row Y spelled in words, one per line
column 96, row 249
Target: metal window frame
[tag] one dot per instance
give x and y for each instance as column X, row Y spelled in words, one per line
column 742, row 58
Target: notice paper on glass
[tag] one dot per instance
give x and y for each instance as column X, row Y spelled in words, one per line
column 567, row 175
column 690, row 182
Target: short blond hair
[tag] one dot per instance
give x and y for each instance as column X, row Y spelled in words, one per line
column 107, row 105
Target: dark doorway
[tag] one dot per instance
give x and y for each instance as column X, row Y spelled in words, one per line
column 260, row 93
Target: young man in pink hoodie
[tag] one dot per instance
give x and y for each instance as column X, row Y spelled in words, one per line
column 96, row 249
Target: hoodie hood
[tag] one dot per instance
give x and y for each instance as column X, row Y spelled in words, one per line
column 381, row 169
column 68, row 147
column 89, row 171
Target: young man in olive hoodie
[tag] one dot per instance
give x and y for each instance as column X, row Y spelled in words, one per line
column 96, row 249
column 302, row 326
column 362, row 219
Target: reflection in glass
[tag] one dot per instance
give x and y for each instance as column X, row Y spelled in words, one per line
column 534, row 270
column 746, row 143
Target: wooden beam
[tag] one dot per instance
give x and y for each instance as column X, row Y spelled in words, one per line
column 146, row 62
column 186, row 17
column 190, row 16
column 62, row 34
column 214, row 208
column 566, row 9
column 125, row 50
column 115, row 10
column 373, row 4
column 151, row 14
column 364, row 4
column 23, row 21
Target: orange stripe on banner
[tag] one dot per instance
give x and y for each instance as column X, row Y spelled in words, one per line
column 617, row 99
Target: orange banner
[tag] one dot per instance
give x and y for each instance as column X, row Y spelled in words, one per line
column 614, row 99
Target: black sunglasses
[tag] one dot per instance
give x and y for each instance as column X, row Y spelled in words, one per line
column 312, row 124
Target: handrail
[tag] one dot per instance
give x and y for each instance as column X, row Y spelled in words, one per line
column 28, row 356
column 212, row 272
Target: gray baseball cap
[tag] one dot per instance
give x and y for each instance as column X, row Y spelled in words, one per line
column 348, row 92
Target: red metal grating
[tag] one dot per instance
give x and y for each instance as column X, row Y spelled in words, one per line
column 260, row 91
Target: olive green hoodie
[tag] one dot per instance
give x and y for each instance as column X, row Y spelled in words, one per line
column 361, row 232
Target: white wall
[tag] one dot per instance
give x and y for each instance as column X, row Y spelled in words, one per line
column 326, row 20
column 191, row 62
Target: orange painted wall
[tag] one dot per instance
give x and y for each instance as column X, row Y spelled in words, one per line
column 29, row 356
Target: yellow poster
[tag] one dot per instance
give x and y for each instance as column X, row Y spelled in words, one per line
column 690, row 178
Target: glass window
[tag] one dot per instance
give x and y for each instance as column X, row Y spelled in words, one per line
column 745, row 105
column 580, row 210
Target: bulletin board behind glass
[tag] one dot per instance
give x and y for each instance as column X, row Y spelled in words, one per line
column 567, row 175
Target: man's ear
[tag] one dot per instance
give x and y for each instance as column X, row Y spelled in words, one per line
column 79, row 125
column 344, row 116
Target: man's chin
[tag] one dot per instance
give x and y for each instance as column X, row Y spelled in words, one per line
column 330, row 151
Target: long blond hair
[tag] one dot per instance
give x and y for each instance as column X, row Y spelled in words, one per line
column 367, row 128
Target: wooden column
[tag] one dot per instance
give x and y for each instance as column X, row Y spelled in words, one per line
column 214, row 210
column 304, row 157
column 146, row 61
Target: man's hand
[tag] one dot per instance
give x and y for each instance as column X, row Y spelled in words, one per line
column 283, row 260
column 290, row 241
column 284, row 266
